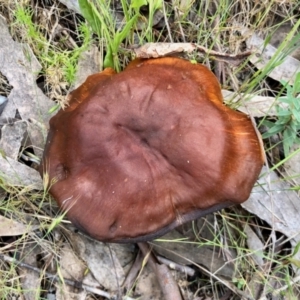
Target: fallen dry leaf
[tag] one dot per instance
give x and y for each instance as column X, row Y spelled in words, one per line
column 11, row 138
column 255, row 245
column 10, row 227
column 19, row 65
column 17, row 174
column 188, row 253
column 30, row 280
column 292, row 167
column 264, row 53
column 280, row 34
column 3, row 101
column 147, row 285
column 101, row 261
column 273, row 201
column 71, row 268
column 155, row 50
column 254, row 105
column 72, row 4
column 88, row 64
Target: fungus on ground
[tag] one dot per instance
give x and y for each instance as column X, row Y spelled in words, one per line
column 138, row 153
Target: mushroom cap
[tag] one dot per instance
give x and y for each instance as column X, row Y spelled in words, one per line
column 138, row 153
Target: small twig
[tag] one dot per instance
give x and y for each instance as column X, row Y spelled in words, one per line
column 27, row 157
column 175, row 266
column 219, row 66
column 166, row 281
column 177, row 17
column 225, row 282
column 51, row 36
column 167, row 22
column 220, row 55
column 133, row 272
column 56, row 278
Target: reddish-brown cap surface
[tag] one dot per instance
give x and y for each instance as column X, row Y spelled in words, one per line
column 137, row 153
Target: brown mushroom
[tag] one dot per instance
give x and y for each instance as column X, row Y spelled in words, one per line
column 140, row 152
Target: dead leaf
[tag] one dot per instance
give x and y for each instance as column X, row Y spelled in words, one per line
column 71, row 267
column 72, row 4
column 147, row 286
column 154, row 50
column 254, row 105
column 3, row 102
column 88, row 64
column 125, row 253
column 280, row 34
column 11, row 138
column 103, row 263
column 19, row 65
column 187, row 253
column 292, row 167
column 17, row 174
column 30, row 280
column 285, row 71
column 10, row 227
column 255, row 245
column 273, row 201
